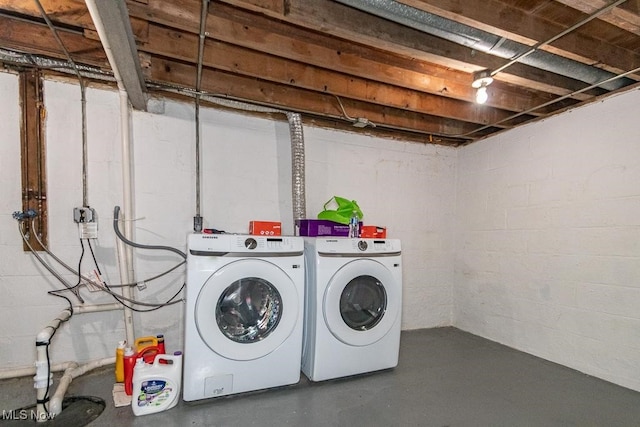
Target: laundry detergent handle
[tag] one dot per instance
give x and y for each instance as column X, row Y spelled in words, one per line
column 142, row 342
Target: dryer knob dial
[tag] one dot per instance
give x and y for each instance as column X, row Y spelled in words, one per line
column 250, row 243
column 362, row 245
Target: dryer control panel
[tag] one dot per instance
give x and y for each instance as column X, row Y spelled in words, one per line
column 232, row 244
column 357, row 247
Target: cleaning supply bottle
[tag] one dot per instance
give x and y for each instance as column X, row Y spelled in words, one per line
column 354, row 225
column 129, row 360
column 161, row 348
column 120, row 361
column 156, row 387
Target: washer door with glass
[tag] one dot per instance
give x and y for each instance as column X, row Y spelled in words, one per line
column 361, row 302
column 247, row 309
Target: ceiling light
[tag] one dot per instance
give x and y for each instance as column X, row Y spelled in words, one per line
column 481, row 80
column 481, row 95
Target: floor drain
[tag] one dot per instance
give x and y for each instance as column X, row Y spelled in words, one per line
column 77, row 411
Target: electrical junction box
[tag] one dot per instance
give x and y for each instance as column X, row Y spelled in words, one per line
column 87, row 222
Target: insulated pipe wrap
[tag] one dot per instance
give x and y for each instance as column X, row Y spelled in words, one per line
column 297, row 166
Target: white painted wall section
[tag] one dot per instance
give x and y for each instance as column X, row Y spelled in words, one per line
column 246, row 175
column 548, row 239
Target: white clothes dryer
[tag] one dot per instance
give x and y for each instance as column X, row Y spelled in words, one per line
column 353, row 306
column 244, row 309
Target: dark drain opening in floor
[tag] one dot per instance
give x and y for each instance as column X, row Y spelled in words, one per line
column 77, row 411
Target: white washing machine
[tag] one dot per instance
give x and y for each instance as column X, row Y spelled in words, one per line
column 353, row 306
column 243, row 327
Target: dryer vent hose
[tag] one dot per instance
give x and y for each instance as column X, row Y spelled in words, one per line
column 297, row 166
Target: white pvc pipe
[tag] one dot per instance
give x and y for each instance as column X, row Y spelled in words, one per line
column 42, row 380
column 127, row 190
column 96, row 308
column 31, row 370
column 125, row 253
column 74, row 371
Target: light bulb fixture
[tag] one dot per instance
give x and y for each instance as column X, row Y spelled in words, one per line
column 481, row 95
column 481, row 80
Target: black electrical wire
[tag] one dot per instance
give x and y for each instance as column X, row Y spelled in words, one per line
column 93, row 255
column 116, row 214
column 80, row 264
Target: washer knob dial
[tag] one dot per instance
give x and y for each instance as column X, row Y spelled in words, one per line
column 362, row 245
column 250, row 243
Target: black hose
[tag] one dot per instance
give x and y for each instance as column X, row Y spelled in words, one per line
column 116, row 214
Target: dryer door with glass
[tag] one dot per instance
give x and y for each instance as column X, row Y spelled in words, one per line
column 247, row 309
column 361, row 302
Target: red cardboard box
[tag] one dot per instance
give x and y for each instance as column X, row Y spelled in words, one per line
column 321, row 227
column 265, row 228
column 373, row 232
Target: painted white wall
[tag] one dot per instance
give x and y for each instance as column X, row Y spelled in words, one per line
column 246, row 175
column 548, row 239
column 543, row 255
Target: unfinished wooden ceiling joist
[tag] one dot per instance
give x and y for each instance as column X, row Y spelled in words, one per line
column 404, row 66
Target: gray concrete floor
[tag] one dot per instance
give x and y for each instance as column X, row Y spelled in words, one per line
column 445, row 377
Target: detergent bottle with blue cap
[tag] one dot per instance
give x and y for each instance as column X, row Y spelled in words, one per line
column 156, row 386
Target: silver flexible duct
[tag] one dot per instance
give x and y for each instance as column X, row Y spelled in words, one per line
column 297, row 166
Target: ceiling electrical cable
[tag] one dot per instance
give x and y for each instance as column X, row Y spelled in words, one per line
column 83, row 99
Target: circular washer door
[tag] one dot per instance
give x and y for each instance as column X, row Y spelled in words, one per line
column 361, row 302
column 246, row 309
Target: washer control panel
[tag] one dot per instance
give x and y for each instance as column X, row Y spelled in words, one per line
column 242, row 243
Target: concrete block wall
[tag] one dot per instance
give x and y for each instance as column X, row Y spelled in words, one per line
column 529, row 238
column 245, row 175
column 548, row 239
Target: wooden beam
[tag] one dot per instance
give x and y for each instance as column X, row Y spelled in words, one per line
column 260, row 33
column 70, row 13
column 299, row 100
column 230, row 58
column 338, row 19
column 489, row 15
column 622, row 16
column 37, row 38
column 34, row 176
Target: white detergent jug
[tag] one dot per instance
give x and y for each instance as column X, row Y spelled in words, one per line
column 156, row 387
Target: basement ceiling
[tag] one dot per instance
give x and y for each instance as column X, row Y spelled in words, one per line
column 400, row 68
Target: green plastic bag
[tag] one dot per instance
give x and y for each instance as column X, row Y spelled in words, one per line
column 343, row 211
